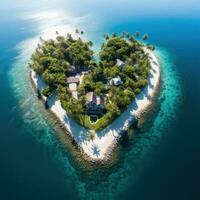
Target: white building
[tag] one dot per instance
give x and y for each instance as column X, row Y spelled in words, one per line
column 116, row 81
column 120, row 63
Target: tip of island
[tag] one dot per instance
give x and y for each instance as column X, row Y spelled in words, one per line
column 95, row 100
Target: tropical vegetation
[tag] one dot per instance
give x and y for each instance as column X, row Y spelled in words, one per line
column 54, row 60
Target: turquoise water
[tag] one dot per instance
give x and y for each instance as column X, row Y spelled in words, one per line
column 35, row 165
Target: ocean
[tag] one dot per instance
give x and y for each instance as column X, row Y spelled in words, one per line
column 160, row 160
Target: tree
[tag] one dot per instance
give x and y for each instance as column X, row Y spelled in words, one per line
column 137, row 91
column 129, row 83
column 112, row 111
column 114, row 35
column 60, row 79
column 97, row 74
column 88, row 83
column 39, row 69
column 55, row 59
column 114, row 71
column 60, row 38
column 45, row 61
column 69, row 37
column 151, row 47
column 106, row 36
column 91, row 135
column 137, row 33
column 90, row 43
column 131, row 39
column 129, row 62
column 128, row 35
column 77, row 31
column 141, row 83
column 49, row 78
column 145, row 36
column 115, row 48
column 123, row 35
column 80, row 53
column 46, row 91
column 92, row 65
column 99, row 88
column 107, row 72
column 129, row 71
column 74, row 108
column 129, row 93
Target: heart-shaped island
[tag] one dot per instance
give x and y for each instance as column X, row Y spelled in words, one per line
column 95, row 99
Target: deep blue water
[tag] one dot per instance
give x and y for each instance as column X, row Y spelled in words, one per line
column 161, row 160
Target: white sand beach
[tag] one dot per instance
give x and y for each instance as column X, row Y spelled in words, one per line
column 100, row 148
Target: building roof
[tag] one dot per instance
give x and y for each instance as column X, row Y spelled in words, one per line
column 120, row 63
column 72, row 79
column 100, row 100
column 72, row 86
column 116, row 81
column 91, row 97
column 72, row 68
column 75, row 94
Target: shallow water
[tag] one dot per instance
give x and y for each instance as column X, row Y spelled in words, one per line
column 156, row 162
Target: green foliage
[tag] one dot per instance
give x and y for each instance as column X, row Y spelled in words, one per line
column 115, row 71
column 113, row 111
column 88, row 83
column 46, row 91
column 151, row 47
column 92, row 65
column 99, row 88
column 107, row 73
column 130, row 83
column 39, row 69
column 74, row 108
column 79, row 53
column 49, row 78
column 54, row 59
column 137, row 91
column 115, row 48
column 129, row 71
column 91, row 136
column 141, row 83
column 97, row 74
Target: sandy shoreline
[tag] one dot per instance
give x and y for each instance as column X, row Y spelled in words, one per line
column 101, row 147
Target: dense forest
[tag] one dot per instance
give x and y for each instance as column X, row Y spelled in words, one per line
column 55, row 60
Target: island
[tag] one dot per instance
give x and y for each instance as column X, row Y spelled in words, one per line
column 96, row 98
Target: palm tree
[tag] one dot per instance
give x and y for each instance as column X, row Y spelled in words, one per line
column 41, row 39
column 91, row 135
column 90, row 43
column 123, row 34
column 145, row 36
column 103, row 45
column 77, row 31
column 137, row 33
column 69, row 37
column 39, row 46
column 114, row 35
column 106, row 36
column 128, row 35
column 132, row 39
